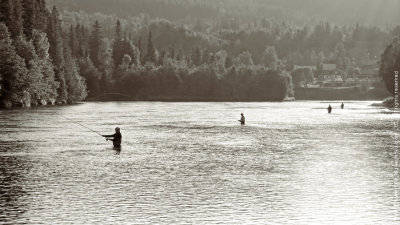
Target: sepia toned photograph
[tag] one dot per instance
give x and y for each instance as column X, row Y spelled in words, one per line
column 199, row 112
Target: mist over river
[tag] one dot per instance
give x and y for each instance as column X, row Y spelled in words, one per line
column 193, row 163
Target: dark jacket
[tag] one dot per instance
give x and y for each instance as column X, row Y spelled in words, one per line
column 242, row 120
column 117, row 137
column 329, row 109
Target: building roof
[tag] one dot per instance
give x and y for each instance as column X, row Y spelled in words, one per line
column 304, row 67
column 328, row 67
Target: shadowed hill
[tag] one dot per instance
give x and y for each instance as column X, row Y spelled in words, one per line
column 372, row 12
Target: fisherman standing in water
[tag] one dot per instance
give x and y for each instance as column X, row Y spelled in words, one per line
column 342, row 106
column 242, row 119
column 329, row 108
column 116, row 138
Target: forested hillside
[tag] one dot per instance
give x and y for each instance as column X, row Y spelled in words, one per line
column 343, row 12
column 176, row 50
column 235, row 35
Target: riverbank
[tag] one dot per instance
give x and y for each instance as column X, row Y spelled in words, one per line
column 21, row 105
column 338, row 94
column 377, row 94
column 176, row 98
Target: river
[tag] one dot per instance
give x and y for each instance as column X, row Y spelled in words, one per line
column 193, row 163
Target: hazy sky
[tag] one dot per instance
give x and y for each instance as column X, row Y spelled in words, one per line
column 378, row 12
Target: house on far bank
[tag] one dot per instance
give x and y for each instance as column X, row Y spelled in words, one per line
column 330, row 76
column 303, row 75
column 312, row 68
column 369, row 74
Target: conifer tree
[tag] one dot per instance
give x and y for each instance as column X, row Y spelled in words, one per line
column 151, row 53
column 95, row 41
column 81, row 48
column 76, row 86
column 33, row 82
column 12, row 69
column 117, row 46
column 29, row 17
column 6, row 9
column 17, row 19
column 73, row 41
column 105, row 54
column 41, row 15
column 56, row 53
column 49, row 85
column 91, row 75
column 11, row 15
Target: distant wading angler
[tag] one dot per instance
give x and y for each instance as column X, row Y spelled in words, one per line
column 242, row 119
column 329, row 108
column 115, row 138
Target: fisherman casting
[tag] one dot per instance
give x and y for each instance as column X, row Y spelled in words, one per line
column 115, row 138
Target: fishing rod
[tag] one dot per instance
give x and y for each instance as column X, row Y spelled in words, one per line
column 60, row 114
column 82, row 125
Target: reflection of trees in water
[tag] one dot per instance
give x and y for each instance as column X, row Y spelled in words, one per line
column 12, row 193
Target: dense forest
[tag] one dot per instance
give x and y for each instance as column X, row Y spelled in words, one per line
column 36, row 63
column 171, row 50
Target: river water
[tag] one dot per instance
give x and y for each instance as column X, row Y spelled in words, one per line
column 193, row 163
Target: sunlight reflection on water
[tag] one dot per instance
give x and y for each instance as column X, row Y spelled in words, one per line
column 192, row 163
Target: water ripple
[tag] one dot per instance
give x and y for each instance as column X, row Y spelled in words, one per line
column 192, row 163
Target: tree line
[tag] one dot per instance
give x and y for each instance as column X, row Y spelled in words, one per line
column 271, row 45
column 45, row 63
column 54, row 57
column 135, row 67
column 347, row 46
column 37, row 66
